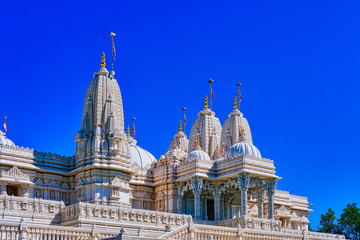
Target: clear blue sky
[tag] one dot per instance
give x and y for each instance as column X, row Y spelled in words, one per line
column 298, row 62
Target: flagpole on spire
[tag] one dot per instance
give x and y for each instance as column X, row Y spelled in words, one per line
column 239, row 94
column 5, row 125
column 184, row 109
column 113, row 53
column 133, row 128
column 211, row 92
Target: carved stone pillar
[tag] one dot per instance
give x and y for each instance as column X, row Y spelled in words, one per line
column 217, row 195
column 244, row 181
column 222, row 209
column 197, row 185
column 260, row 201
column 180, row 199
column 205, row 208
column 179, row 205
column 271, row 187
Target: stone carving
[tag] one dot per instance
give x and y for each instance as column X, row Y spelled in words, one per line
column 244, row 181
column 197, row 185
column 15, row 173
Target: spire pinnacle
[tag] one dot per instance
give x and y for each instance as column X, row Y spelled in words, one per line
column 103, row 64
column 180, row 128
column 235, row 103
column 128, row 131
column 206, row 102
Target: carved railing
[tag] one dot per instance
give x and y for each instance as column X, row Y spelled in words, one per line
column 117, row 214
column 249, row 232
column 24, row 231
column 31, row 231
column 44, row 211
column 252, row 223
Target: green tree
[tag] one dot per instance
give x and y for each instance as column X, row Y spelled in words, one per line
column 327, row 222
column 349, row 222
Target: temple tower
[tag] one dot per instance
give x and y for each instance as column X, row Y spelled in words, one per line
column 208, row 129
column 102, row 150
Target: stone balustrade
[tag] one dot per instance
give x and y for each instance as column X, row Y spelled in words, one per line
column 198, row 231
column 252, row 223
column 87, row 212
column 24, row 231
column 31, row 231
column 44, row 211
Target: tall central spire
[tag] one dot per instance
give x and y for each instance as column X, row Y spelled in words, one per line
column 103, row 114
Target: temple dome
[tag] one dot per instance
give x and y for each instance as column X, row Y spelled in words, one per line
column 242, row 148
column 5, row 141
column 140, row 158
column 198, row 154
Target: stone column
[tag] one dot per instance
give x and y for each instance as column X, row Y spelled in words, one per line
column 222, row 209
column 271, row 187
column 180, row 199
column 260, row 202
column 197, row 184
column 217, row 210
column 244, row 181
column 205, row 208
column 179, row 205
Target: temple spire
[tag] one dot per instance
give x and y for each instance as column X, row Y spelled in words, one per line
column 128, row 131
column 103, row 64
column 180, row 128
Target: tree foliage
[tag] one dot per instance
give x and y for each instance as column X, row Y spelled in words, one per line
column 327, row 222
column 348, row 224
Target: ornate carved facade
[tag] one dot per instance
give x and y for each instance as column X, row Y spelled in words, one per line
column 216, row 176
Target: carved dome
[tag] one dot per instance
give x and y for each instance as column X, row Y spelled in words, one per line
column 242, row 148
column 198, row 154
column 5, row 141
column 140, row 158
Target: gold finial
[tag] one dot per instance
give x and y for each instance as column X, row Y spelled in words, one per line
column 235, row 103
column 241, row 131
column 180, row 128
column 103, row 64
column 128, row 131
column 196, row 140
column 206, row 102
